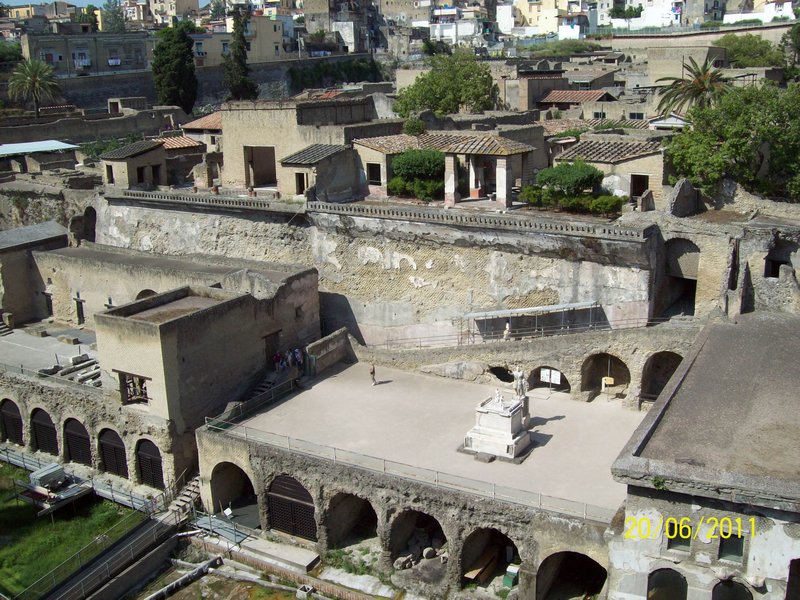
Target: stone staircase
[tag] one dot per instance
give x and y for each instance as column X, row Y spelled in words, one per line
column 4, row 330
column 267, row 383
column 188, row 497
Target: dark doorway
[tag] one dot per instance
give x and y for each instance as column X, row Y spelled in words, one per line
column 793, row 582
column 548, row 377
column 639, row 185
column 10, row 422
column 112, row 454
column 145, row 294
column 730, row 590
column 139, row 174
column 783, row 252
column 48, row 303
column 110, row 174
column 300, row 182
column 232, row 489
column 486, row 555
column 79, row 311
column 502, row 373
column 666, row 584
column 89, row 224
column 291, row 508
column 409, row 528
column 350, row 520
column 77, row 443
column 569, row 575
column 676, row 294
column 657, row 372
column 373, row 173
column 598, row 367
column 260, row 165
column 43, row 432
column 156, row 174
column 148, row 459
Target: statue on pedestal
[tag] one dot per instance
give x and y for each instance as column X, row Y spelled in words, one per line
column 520, row 384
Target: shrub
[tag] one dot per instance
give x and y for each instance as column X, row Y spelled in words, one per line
column 570, row 179
column 414, row 126
column 397, row 186
column 532, row 194
column 428, row 190
column 710, row 24
column 419, row 164
column 605, row 205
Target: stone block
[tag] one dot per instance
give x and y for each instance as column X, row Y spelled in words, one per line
column 305, row 591
column 684, row 199
column 647, row 202
column 68, row 339
column 429, row 553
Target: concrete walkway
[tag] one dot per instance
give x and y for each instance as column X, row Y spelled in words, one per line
column 421, row 421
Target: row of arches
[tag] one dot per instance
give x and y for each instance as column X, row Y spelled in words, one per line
column 669, row 584
column 484, row 554
column 77, row 444
column 657, row 371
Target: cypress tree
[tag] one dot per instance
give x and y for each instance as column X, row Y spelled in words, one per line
column 240, row 86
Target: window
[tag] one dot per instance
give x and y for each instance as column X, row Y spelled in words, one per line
column 598, row 115
column 110, row 174
column 133, row 388
column 140, row 174
column 247, row 46
column 213, row 139
column 225, row 49
column 731, row 548
column 678, row 538
column 584, row 85
column 156, row 174
column 374, row 173
column 277, row 50
column 636, row 116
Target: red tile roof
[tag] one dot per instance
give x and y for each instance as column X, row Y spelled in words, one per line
column 609, row 152
column 212, row 121
column 575, row 96
column 179, row 142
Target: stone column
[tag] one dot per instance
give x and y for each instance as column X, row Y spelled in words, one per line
column 476, row 185
column 450, row 180
column 504, row 181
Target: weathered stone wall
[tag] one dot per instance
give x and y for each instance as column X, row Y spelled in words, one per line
column 767, row 550
column 570, row 354
column 29, row 202
column 536, row 533
column 331, row 349
column 391, row 278
column 96, row 410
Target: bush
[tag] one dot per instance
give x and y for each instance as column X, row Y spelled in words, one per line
column 419, row 164
column 428, row 190
column 533, row 195
column 397, row 187
column 413, row 126
column 606, row 205
column 570, row 179
column 710, row 24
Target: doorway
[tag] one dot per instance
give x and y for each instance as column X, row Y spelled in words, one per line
column 639, row 184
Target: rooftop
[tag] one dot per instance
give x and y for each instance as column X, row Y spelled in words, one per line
column 576, row 96
column 25, row 237
column 31, row 147
column 131, row 150
column 212, row 121
column 175, row 309
column 609, row 152
column 421, row 420
column 311, row 155
column 727, row 424
column 180, row 142
column 455, row 143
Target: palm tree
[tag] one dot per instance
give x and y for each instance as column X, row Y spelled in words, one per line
column 702, row 85
column 33, row 80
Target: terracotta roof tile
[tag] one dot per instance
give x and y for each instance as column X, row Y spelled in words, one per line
column 454, row 143
column 575, row 96
column 489, row 145
column 609, row 152
column 179, row 142
column 212, row 121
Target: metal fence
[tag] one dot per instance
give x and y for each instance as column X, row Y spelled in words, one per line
column 428, row 476
column 243, row 409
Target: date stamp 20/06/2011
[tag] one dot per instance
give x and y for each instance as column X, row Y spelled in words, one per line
column 686, row 528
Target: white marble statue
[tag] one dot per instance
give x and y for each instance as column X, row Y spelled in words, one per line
column 520, row 385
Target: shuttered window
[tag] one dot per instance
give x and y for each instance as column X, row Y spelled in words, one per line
column 112, row 453
column 10, row 422
column 149, row 459
column 77, row 442
column 44, row 432
column 291, row 508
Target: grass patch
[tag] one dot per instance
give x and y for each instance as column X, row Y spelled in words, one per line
column 341, row 559
column 31, row 546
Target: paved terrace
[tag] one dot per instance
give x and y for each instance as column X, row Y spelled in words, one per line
column 421, row 420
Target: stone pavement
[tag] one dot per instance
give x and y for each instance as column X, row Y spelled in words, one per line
column 421, row 420
column 35, row 353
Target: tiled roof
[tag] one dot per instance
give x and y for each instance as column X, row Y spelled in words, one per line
column 131, row 150
column 618, row 123
column 488, row 145
column 609, row 152
column 181, row 141
column 556, row 126
column 312, row 154
column 585, row 75
column 575, row 96
column 212, row 121
column 453, row 143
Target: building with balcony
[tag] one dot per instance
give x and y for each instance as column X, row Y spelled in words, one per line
column 264, row 38
column 164, row 10
column 90, row 53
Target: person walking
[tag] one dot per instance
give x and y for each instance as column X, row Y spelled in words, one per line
column 372, row 373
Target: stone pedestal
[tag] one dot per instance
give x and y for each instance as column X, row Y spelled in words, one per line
column 504, row 182
column 450, row 180
column 500, row 427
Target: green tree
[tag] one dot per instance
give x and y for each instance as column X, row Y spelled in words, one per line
column 455, row 82
column 570, row 179
column 234, row 64
column 173, row 68
column 702, row 85
column 88, row 15
column 217, row 10
column 113, row 17
column 790, row 46
column 418, row 173
column 626, row 12
column 750, row 50
column 33, row 80
column 413, row 126
column 752, row 136
column 10, row 51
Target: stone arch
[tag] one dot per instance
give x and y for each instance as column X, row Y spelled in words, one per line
column 77, row 443
column 232, row 487
column 565, row 573
column 549, row 377
column 411, row 532
column 350, row 519
column 666, row 584
column 111, row 450
column 291, row 508
column 485, row 555
column 44, row 437
column 731, row 590
column 598, row 366
column 11, row 429
column 89, row 223
column 657, row 371
column 145, row 293
column 676, row 294
column 149, row 466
